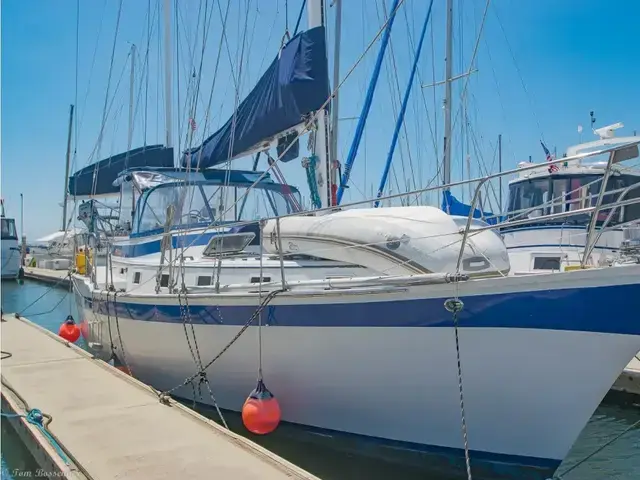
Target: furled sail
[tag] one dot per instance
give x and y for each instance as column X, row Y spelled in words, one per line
column 295, row 84
column 456, row 207
column 82, row 183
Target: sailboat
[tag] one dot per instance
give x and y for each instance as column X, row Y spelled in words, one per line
column 10, row 248
column 393, row 327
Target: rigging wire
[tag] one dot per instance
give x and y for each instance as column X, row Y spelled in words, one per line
column 412, row 178
column 93, row 62
column 159, row 60
column 224, row 19
column 471, row 64
column 106, row 97
column 232, row 133
column 146, row 74
column 520, row 76
column 393, row 99
column 295, row 30
column 75, row 149
column 177, row 40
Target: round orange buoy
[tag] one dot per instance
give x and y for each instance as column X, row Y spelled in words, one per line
column 261, row 412
column 69, row 330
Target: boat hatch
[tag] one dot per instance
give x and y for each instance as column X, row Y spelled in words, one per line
column 228, row 244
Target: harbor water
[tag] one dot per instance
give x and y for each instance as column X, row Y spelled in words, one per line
column 619, row 461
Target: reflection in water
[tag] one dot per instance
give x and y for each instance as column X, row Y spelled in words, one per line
column 620, row 461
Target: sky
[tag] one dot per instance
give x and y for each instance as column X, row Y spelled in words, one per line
column 542, row 66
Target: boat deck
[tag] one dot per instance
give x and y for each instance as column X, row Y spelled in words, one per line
column 110, row 425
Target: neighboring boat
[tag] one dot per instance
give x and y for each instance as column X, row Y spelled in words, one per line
column 58, row 244
column 10, row 247
column 553, row 243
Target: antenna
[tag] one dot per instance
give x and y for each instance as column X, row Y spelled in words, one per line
column 593, row 119
column 607, row 132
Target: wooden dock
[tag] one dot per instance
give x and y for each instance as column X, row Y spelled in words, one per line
column 47, row 276
column 629, row 381
column 109, row 425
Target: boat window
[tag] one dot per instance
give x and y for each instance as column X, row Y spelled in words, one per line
column 257, row 280
column 559, row 190
column 631, row 212
column 546, row 263
column 567, row 193
column 525, row 196
column 9, row 229
column 136, row 277
column 127, row 207
column 164, row 281
column 206, row 204
column 204, row 280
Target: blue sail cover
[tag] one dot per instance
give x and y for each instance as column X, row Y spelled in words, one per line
column 295, row 84
column 456, row 207
column 81, row 183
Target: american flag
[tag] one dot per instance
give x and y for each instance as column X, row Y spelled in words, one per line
column 552, row 168
column 192, row 123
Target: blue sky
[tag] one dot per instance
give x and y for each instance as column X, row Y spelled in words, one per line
column 571, row 57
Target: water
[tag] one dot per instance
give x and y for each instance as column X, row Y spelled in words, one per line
column 619, row 461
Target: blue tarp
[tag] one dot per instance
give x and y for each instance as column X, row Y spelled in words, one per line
column 295, row 84
column 82, row 183
column 456, row 207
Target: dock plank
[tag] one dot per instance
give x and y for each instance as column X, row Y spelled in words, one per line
column 47, row 275
column 115, row 427
column 629, row 380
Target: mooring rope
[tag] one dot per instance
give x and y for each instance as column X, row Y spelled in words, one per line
column 186, row 315
column 60, row 280
column 455, row 306
column 248, row 323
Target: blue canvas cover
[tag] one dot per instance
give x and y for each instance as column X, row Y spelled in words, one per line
column 456, row 207
column 81, row 183
column 295, row 84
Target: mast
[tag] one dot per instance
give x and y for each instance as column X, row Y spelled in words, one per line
column 500, row 167
column 167, row 72
column 446, row 167
column 21, row 214
column 131, row 86
column 66, row 171
column 315, row 17
column 336, row 82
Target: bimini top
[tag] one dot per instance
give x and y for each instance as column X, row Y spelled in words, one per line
column 146, row 178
